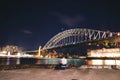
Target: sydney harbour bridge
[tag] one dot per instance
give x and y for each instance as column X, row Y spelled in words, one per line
column 79, row 40
column 76, row 36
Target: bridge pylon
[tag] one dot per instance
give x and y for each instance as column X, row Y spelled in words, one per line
column 39, row 51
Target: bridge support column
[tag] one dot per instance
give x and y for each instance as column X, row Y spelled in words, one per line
column 39, row 51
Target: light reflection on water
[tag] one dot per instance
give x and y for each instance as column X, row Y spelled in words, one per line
column 15, row 61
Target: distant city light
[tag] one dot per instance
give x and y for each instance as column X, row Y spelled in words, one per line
column 104, row 53
column 103, row 62
column 107, row 53
column 118, row 34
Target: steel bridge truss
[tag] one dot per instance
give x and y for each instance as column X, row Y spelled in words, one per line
column 75, row 36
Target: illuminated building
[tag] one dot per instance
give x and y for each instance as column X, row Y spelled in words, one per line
column 104, row 57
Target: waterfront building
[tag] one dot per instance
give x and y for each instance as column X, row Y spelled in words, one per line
column 104, row 57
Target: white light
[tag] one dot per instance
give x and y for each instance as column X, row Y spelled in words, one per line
column 105, row 53
column 18, row 54
column 4, row 51
column 104, row 62
column 118, row 34
column 117, row 62
column 109, row 62
column 97, row 62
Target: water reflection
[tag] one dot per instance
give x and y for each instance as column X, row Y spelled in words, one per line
column 18, row 60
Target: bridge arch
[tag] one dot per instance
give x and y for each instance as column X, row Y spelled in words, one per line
column 75, row 36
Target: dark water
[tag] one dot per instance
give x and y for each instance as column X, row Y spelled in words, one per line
column 15, row 61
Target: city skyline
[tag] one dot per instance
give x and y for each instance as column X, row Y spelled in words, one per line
column 31, row 24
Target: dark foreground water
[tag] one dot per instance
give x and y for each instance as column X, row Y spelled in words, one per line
column 16, row 61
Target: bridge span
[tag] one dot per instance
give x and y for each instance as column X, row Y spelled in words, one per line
column 77, row 36
column 79, row 40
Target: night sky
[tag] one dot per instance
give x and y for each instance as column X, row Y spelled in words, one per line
column 32, row 23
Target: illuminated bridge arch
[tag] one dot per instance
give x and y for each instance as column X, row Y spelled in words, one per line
column 75, row 36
